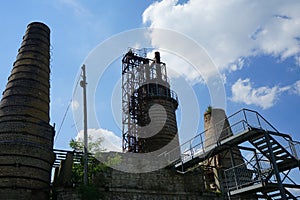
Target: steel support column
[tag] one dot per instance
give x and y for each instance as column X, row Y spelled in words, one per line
column 275, row 167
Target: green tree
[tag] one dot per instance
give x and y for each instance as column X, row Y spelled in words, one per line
column 95, row 167
column 209, row 109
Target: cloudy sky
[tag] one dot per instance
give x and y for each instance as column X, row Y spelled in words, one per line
column 249, row 47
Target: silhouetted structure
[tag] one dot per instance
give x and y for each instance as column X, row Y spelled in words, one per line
column 149, row 120
column 26, row 138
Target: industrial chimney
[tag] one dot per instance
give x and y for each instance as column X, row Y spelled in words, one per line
column 149, row 105
column 217, row 128
column 26, row 137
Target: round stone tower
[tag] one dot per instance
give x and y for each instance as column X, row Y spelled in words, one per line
column 149, row 105
column 156, row 117
column 26, row 137
column 217, row 128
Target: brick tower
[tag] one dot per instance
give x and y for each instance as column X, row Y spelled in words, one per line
column 26, row 137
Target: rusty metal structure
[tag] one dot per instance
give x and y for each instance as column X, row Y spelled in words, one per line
column 148, row 104
column 26, row 137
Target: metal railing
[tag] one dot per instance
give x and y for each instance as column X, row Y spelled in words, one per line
column 241, row 121
column 295, row 149
column 161, row 93
column 168, row 93
column 254, row 170
column 239, row 176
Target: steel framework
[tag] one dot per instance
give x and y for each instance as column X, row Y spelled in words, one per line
column 269, row 158
column 138, row 71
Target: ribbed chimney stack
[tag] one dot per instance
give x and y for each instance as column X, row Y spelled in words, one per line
column 26, row 137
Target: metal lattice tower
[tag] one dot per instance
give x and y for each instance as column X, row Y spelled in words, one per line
column 144, row 84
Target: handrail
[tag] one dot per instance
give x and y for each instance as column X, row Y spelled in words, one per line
column 243, row 120
column 262, row 118
column 167, row 93
column 295, row 148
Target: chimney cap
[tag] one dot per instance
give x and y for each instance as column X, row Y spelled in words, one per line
column 39, row 25
column 157, row 56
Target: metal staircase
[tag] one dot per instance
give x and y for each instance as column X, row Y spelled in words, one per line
column 282, row 160
column 274, row 151
column 264, row 174
column 274, row 193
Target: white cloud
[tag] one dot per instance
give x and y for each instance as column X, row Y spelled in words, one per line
column 110, row 141
column 296, row 88
column 229, row 30
column 178, row 67
column 264, row 97
column 238, row 65
column 297, row 60
column 76, row 6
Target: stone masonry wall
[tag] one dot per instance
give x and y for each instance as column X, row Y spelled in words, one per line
column 163, row 184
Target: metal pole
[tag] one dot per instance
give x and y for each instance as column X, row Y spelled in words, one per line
column 85, row 135
column 275, row 166
column 236, row 178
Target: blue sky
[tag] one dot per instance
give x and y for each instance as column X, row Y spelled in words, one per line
column 253, row 44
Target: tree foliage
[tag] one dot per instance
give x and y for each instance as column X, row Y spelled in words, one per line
column 209, row 109
column 89, row 191
column 95, row 167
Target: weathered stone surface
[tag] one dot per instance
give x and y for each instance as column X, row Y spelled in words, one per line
column 217, row 128
column 165, row 184
column 26, row 137
column 23, row 194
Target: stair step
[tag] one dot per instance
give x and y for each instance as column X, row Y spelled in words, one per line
column 278, row 156
column 264, row 145
column 265, row 150
column 287, row 162
column 274, row 194
column 281, row 154
column 277, row 145
column 259, row 142
column 282, row 151
column 276, row 149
